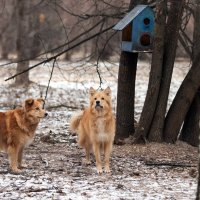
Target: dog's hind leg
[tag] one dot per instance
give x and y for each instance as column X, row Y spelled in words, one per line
column 20, row 155
column 87, row 152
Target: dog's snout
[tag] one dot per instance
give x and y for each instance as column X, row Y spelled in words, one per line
column 97, row 102
column 46, row 114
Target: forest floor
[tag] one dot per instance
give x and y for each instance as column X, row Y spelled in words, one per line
column 55, row 168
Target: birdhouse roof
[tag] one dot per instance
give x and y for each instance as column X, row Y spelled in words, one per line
column 129, row 17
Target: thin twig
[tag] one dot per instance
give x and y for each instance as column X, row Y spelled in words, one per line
column 65, row 106
column 97, row 68
column 49, row 81
column 168, row 163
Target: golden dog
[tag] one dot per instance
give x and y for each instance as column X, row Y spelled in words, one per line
column 18, row 128
column 96, row 127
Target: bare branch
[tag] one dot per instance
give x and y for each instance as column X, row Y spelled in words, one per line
column 57, row 48
column 186, row 37
column 168, row 163
column 62, row 52
column 185, row 46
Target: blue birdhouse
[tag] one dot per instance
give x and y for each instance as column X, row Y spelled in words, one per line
column 137, row 29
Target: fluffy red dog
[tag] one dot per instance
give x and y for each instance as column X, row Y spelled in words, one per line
column 96, row 127
column 17, row 130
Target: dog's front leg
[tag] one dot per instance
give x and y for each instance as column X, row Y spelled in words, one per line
column 87, row 152
column 13, row 157
column 96, row 147
column 107, row 151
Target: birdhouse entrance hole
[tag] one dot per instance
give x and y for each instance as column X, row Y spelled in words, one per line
column 127, row 32
column 146, row 21
column 145, row 39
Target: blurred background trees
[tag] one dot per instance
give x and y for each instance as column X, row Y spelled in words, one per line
column 53, row 23
column 23, row 42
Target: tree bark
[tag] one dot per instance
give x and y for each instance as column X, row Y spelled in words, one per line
column 198, row 184
column 23, row 7
column 126, row 95
column 155, row 76
column 173, row 24
column 182, row 102
column 191, row 130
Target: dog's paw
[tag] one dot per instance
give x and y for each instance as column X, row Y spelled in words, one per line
column 99, row 170
column 23, row 166
column 16, row 171
column 87, row 162
column 107, row 169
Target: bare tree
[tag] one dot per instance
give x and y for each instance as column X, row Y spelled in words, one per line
column 198, row 183
column 182, row 102
column 7, row 28
column 23, row 8
column 173, row 25
column 155, row 75
column 190, row 131
column 178, row 111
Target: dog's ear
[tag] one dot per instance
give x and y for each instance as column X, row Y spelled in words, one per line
column 29, row 102
column 107, row 91
column 41, row 100
column 92, row 91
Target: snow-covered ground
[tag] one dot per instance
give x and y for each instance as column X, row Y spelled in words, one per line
column 55, row 169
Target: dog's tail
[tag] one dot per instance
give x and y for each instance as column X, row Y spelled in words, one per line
column 75, row 120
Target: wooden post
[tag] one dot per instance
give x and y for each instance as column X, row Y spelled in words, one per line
column 126, row 95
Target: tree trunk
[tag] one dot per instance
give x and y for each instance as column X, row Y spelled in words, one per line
column 8, row 33
column 126, row 95
column 198, row 184
column 173, row 24
column 155, row 76
column 191, row 130
column 23, row 7
column 182, row 102
column 4, row 46
column 126, row 91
